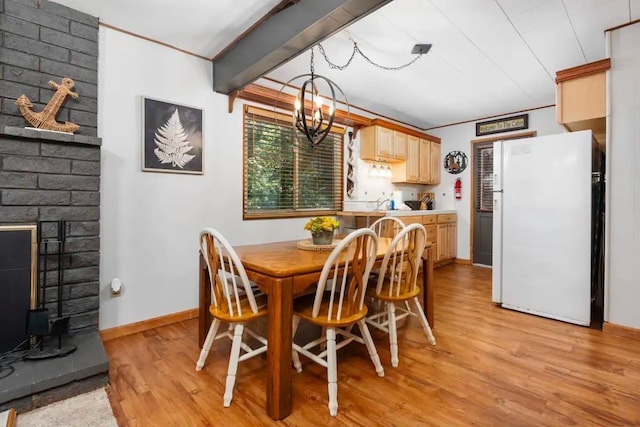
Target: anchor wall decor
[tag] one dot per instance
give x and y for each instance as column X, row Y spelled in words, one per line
column 46, row 119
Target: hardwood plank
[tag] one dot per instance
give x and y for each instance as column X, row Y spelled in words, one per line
column 491, row 366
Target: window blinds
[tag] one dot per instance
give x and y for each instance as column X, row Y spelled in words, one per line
column 484, row 178
column 287, row 177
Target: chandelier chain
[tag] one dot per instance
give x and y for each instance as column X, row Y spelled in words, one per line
column 356, row 49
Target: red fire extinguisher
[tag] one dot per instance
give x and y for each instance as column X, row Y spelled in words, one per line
column 458, row 188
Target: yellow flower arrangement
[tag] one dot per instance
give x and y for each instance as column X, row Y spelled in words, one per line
column 321, row 223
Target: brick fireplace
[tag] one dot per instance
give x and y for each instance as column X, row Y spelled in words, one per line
column 49, row 176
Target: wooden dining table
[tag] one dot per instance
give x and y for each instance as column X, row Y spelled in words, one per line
column 282, row 270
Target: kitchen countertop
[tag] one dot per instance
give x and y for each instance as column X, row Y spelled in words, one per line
column 396, row 213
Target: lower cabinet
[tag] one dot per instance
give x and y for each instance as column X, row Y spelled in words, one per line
column 441, row 231
column 447, row 230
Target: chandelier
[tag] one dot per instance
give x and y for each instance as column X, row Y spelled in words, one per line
column 311, row 117
column 314, row 119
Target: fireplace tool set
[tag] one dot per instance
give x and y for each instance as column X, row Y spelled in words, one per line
column 50, row 251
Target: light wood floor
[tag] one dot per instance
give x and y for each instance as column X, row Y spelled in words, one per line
column 491, row 366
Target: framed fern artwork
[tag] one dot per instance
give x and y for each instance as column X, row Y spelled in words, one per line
column 172, row 137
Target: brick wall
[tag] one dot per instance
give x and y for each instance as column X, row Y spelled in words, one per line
column 42, row 41
column 44, row 180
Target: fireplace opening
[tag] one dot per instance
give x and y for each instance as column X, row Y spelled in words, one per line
column 18, row 283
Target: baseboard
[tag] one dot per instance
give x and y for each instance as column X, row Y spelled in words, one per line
column 145, row 325
column 621, row 331
column 462, row 261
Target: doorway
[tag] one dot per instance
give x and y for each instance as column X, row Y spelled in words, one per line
column 482, row 202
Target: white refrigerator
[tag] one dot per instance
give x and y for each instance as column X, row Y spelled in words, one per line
column 542, row 226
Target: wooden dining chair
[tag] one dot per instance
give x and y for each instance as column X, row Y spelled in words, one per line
column 339, row 308
column 397, row 285
column 387, row 226
column 233, row 301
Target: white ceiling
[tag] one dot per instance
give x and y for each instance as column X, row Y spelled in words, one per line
column 489, row 57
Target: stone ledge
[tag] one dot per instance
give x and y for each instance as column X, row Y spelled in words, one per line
column 48, row 136
column 32, row 377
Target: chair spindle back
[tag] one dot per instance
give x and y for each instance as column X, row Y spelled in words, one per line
column 401, row 262
column 229, row 282
column 387, row 226
column 348, row 267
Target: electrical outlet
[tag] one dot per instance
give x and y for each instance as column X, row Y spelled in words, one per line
column 116, row 288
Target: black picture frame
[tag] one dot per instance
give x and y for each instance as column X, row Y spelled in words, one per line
column 158, row 118
column 506, row 124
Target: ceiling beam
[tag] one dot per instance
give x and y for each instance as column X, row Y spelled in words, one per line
column 282, row 36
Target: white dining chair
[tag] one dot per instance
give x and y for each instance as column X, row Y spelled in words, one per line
column 233, row 301
column 397, row 285
column 339, row 308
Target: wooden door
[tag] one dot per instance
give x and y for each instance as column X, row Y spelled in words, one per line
column 413, row 158
column 443, row 242
column 452, row 242
column 424, row 170
column 434, row 166
column 384, row 140
column 400, row 145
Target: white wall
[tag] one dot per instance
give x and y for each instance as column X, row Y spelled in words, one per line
column 150, row 221
column 458, row 138
column 622, row 282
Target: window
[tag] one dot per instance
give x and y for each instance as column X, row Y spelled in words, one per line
column 287, row 179
column 484, row 178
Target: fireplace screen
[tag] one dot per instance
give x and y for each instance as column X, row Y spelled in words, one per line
column 18, row 282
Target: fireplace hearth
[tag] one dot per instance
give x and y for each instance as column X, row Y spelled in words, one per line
column 53, row 180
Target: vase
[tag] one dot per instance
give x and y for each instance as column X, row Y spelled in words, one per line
column 323, row 237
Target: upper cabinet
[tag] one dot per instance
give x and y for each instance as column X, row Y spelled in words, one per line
column 422, row 165
column 399, row 145
column 581, row 98
column 415, row 155
column 382, row 144
column 434, row 169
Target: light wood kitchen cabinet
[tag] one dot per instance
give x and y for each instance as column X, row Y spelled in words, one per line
column 388, row 230
column 581, row 98
column 409, row 170
column 441, row 230
column 422, row 165
column 399, row 145
column 434, row 163
column 446, row 245
column 429, row 223
column 379, row 143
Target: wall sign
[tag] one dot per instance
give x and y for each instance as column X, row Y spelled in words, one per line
column 455, row 162
column 502, row 125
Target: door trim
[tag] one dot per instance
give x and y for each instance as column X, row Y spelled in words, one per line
column 472, row 160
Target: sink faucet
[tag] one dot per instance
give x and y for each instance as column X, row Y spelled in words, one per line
column 380, row 202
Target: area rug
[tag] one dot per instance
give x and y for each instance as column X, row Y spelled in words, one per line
column 85, row 410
